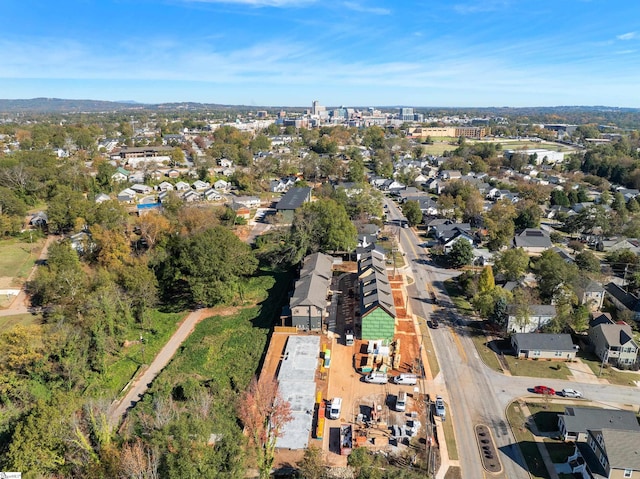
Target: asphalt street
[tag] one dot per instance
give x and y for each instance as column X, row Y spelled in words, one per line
column 475, row 393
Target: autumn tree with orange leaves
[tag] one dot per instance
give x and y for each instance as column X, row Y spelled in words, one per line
column 263, row 413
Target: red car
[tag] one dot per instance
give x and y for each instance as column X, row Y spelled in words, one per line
column 544, row 390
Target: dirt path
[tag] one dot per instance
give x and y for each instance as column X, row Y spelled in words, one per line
column 20, row 304
column 140, row 384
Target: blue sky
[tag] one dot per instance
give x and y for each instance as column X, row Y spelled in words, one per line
column 340, row 52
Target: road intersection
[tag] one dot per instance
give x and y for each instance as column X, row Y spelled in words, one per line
column 475, row 393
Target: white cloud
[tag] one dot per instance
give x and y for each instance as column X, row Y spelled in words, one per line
column 357, row 7
column 627, row 36
column 260, row 3
column 481, row 6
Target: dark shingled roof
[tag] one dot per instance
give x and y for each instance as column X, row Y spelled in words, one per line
column 544, row 342
column 581, row 419
column 294, row 198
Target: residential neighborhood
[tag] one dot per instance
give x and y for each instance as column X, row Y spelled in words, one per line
column 406, row 294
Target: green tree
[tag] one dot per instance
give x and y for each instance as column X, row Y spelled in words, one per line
column 312, row 466
column 207, row 267
column 500, row 224
column 260, row 143
column 552, row 272
column 528, row 216
column 486, row 281
column 322, row 226
column 461, row 254
column 413, row 213
column 559, row 197
column 512, row 263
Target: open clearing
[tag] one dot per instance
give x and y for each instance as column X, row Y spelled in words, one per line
column 16, row 260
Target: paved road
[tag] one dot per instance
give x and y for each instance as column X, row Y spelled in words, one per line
column 475, row 393
column 119, row 409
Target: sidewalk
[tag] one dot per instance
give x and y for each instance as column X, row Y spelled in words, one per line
column 538, row 437
column 583, row 374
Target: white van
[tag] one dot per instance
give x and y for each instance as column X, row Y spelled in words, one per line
column 406, row 379
column 376, row 378
column 401, row 401
column 334, row 408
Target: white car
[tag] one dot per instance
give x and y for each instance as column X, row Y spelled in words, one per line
column 570, row 393
column 440, row 410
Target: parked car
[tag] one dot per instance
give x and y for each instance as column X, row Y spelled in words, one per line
column 544, row 390
column 376, row 378
column 440, row 409
column 335, row 407
column 407, row 379
column 401, row 401
column 570, row 393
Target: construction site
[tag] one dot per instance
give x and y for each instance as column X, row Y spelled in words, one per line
column 374, row 412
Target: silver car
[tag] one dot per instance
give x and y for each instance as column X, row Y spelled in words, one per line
column 570, row 393
column 440, row 410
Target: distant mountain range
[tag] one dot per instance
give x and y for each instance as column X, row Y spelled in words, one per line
column 62, row 106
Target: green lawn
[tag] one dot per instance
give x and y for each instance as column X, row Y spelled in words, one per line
column 484, row 351
column 450, row 439
column 559, row 450
column 428, row 344
column 461, row 302
column 537, row 368
column 620, row 378
column 18, row 257
column 8, row 322
column 545, row 415
column 526, row 442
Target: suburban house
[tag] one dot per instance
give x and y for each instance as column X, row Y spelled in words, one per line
column 591, row 294
column 622, row 300
column 165, row 186
column 190, row 196
column 614, row 344
column 102, row 197
column 533, row 240
column 309, row 301
column 377, row 309
column 530, row 321
column 248, row 201
column 607, row 453
column 292, row 200
column 173, row 173
column 121, row 175
column 544, row 346
column 182, row 186
column 200, row 185
column 212, row 195
column 141, row 189
column 127, row 196
column 575, row 421
column 221, row 185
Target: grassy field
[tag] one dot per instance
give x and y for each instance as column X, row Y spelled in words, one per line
column 125, row 362
column 225, row 352
column 526, row 442
column 537, row 368
column 17, row 258
column 8, row 322
column 620, row 378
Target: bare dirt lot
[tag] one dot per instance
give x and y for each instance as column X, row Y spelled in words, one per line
column 369, row 408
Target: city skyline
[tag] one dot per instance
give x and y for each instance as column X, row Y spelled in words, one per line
column 471, row 53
